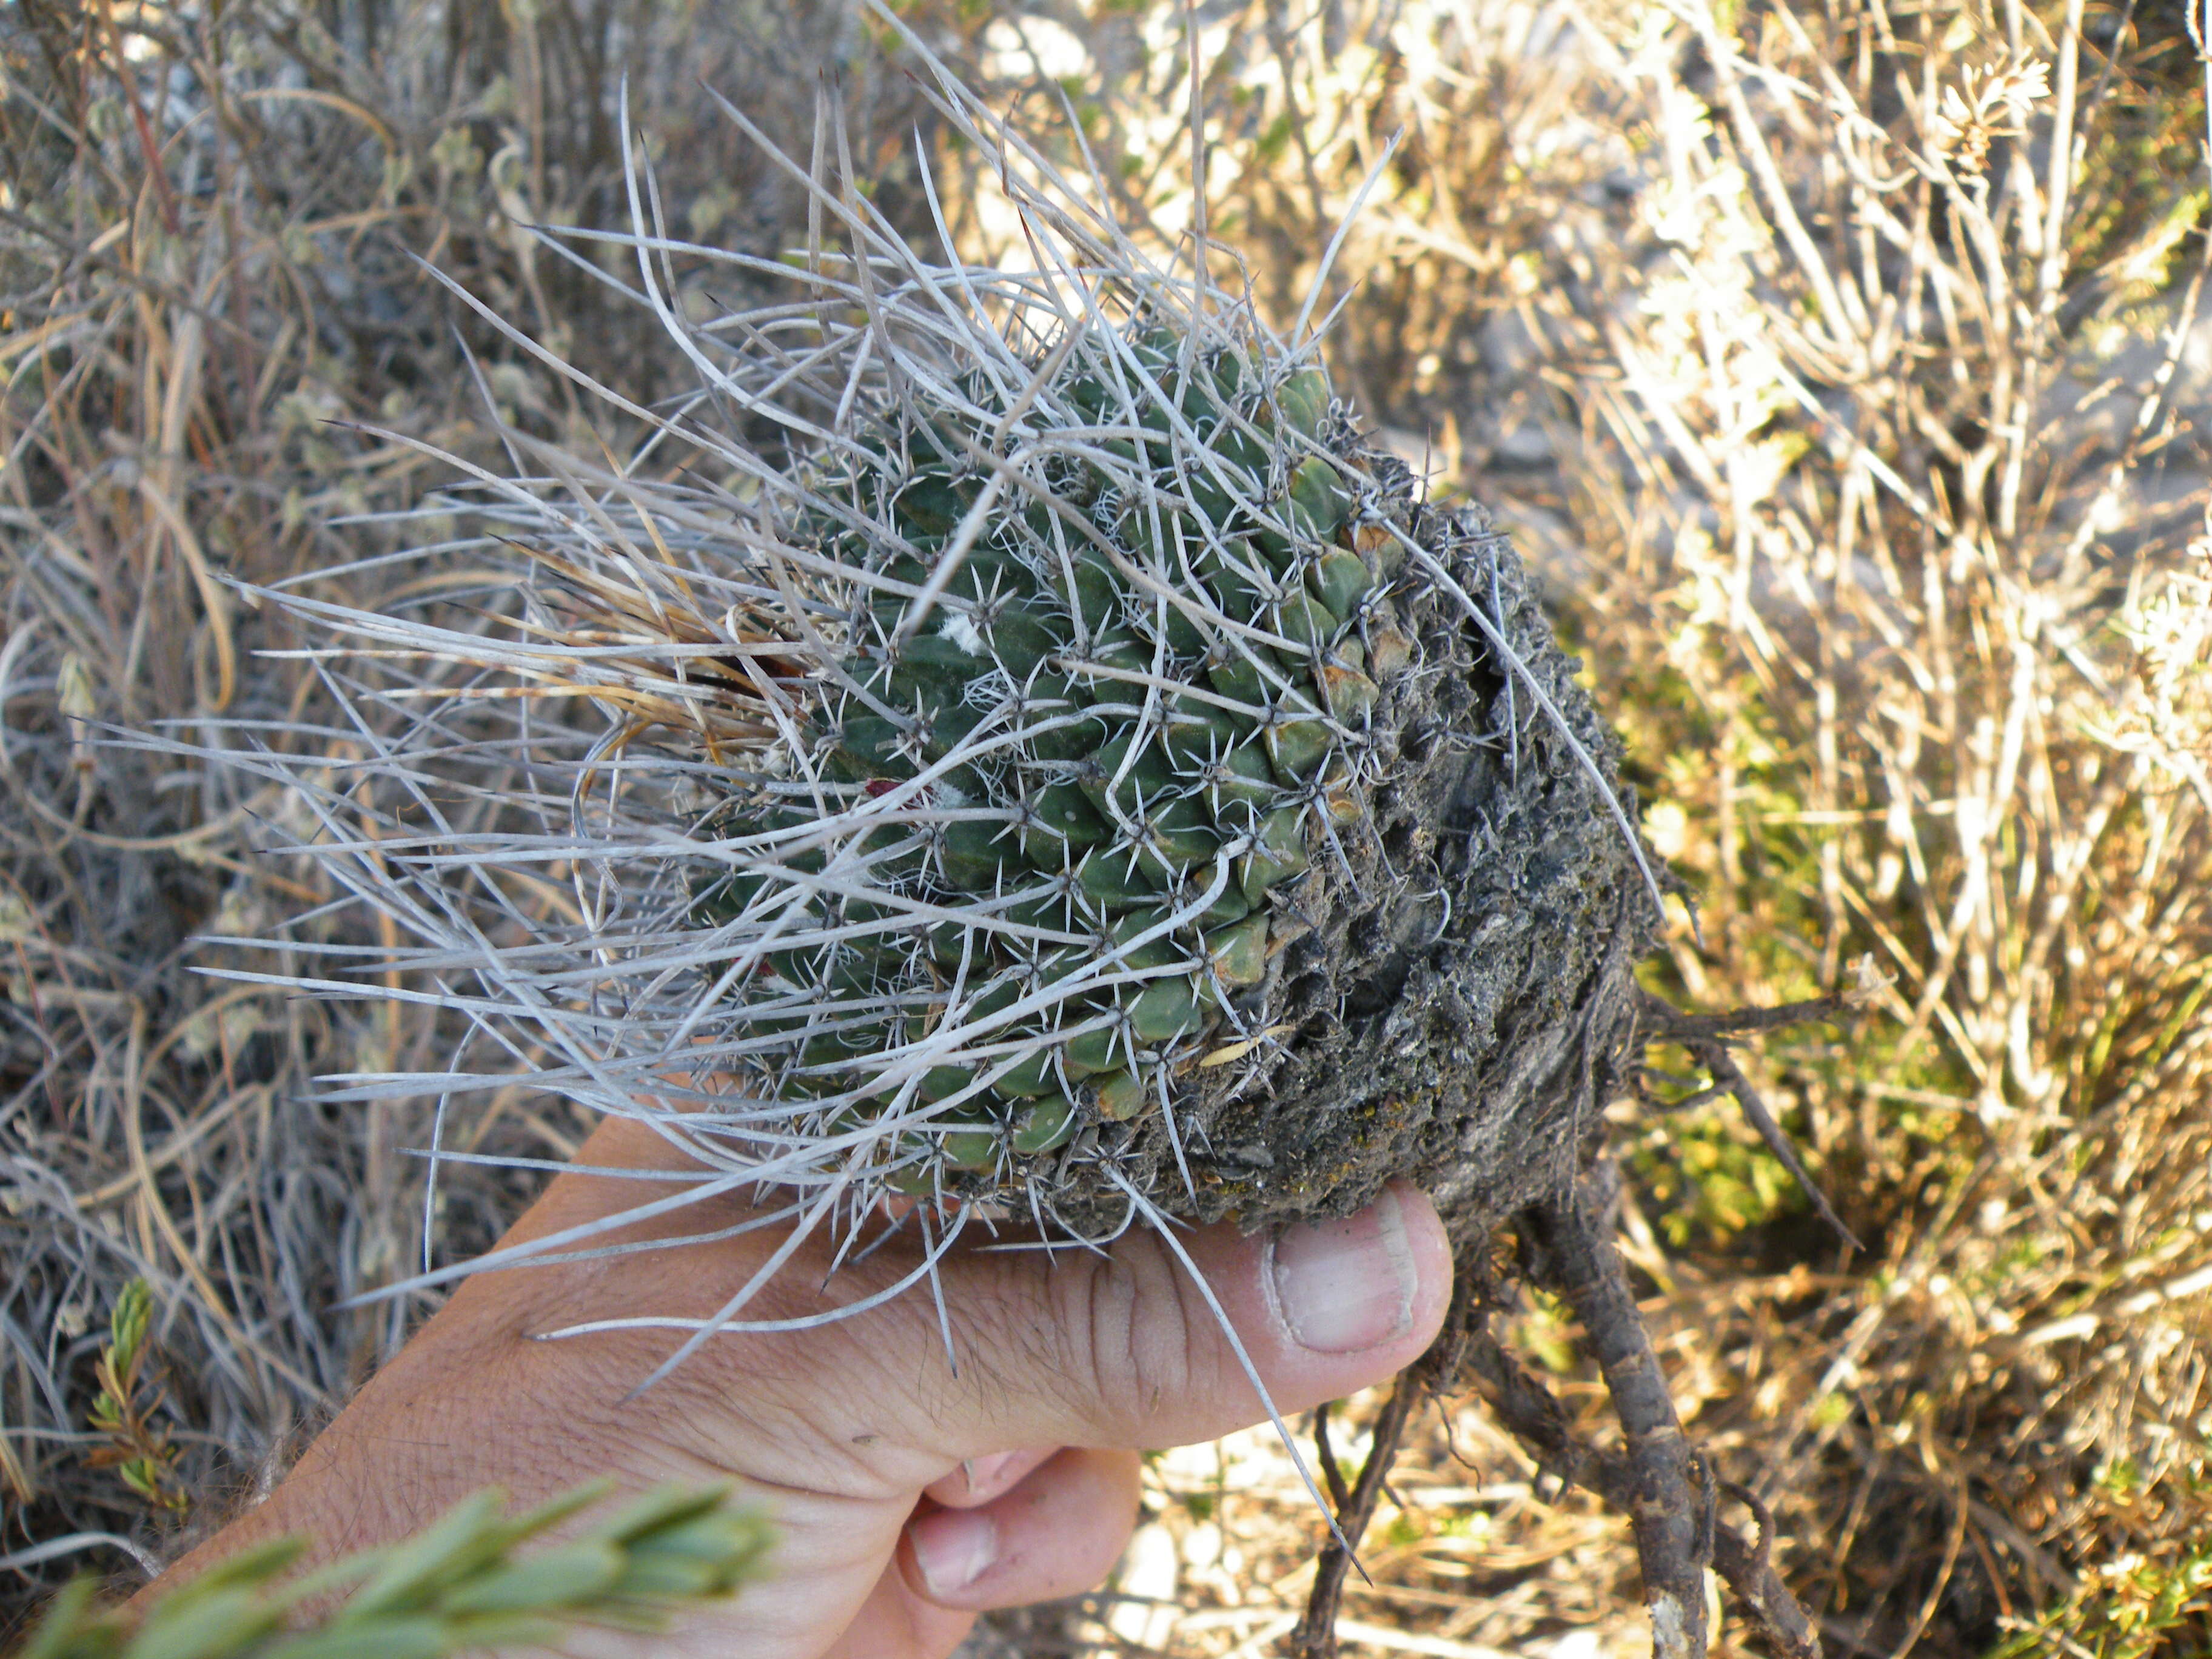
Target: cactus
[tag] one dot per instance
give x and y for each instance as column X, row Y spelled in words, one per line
column 1061, row 770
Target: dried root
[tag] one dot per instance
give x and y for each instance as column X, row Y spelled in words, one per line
column 1670, row 1492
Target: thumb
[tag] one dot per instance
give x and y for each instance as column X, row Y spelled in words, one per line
column 1168, row 1338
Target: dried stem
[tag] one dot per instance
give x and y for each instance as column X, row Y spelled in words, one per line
column 1316, row 1635
column 1536, row 1418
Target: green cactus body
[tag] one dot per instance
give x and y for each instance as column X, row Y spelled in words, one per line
column 1091, row 726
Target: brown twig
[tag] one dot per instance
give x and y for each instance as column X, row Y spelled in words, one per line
column 1706, row 1037
column 1325, row 1456
column 157, row 174
column 1731, row 1076
column 1749, row 1571
column 1315, row 1637
column 1663, row 1480
column 1663, row 1023
column 1533, row 1416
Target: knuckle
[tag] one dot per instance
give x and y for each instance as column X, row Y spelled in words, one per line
column 1131, row 1344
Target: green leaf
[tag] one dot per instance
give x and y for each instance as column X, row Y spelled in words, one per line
column 419, row 1636
column 709, row 1553
column 228, row 1620
column 541, row 1582
column 451, row 1587
column 71, row 1629
column 464, row 1538
column 126, row 1331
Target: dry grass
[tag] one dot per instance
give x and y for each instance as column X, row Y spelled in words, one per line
column 188, row 350
column 1854, row 430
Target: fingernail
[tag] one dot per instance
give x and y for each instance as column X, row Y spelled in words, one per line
column 983, row 1472
column 1344, row 1285
column 953, row 1548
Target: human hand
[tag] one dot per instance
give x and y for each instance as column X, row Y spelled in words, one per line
column 908, row 1498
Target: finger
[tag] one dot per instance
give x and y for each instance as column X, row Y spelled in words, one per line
column 1056, row 1532
column 1121, row 1348
column 979, row 1480
column 896, row 1623
column 1129, row 1350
